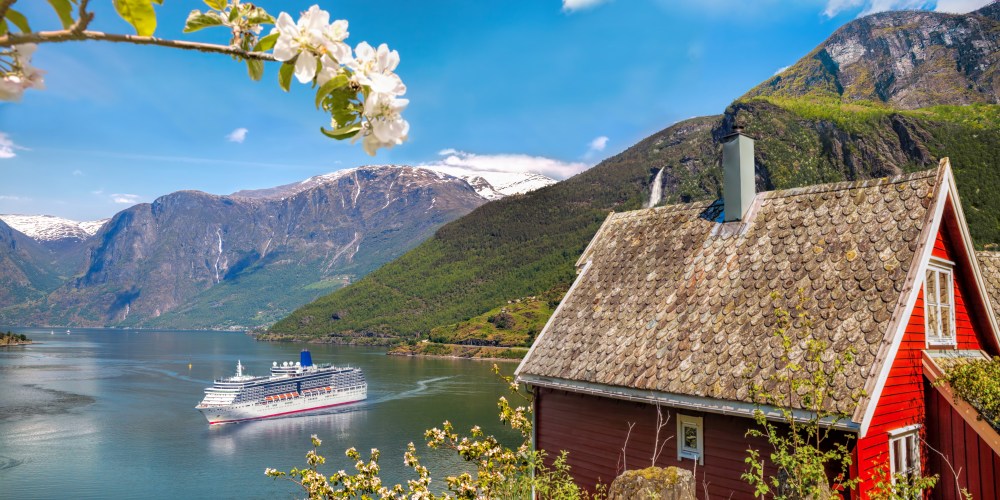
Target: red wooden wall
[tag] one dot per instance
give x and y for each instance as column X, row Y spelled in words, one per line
column 977, row 465
column 902, row 401
column 593, row 430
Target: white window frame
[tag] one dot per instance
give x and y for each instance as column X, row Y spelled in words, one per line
column 935, row 268
column 910, row 438
column 697, row 453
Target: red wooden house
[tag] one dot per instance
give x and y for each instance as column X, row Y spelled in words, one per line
column 672, row 308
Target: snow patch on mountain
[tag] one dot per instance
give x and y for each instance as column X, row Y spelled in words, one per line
column 52, row 228
column 494, row 185
column 491, row 185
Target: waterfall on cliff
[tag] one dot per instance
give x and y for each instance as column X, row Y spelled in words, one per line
column 656, row 193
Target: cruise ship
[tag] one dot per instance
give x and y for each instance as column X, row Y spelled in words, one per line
column 292, row 388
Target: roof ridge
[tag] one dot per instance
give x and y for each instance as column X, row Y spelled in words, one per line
column 845, row 185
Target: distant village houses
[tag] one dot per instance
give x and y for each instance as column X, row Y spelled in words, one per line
column 673, row 308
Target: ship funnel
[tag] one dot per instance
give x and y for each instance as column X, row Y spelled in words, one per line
column 305, row 359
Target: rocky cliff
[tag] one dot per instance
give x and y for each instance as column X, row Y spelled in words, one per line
column 906, row 59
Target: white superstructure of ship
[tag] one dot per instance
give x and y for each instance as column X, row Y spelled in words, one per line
column 291, row 388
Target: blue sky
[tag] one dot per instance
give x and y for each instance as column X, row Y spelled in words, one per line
column 546, row 83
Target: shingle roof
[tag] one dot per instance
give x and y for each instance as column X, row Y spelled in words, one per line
column 989, row 265
column 676, row 302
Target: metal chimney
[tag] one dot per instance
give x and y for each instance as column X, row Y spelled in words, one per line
column 738, row 186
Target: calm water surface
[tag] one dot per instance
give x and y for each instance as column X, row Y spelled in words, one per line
column 110, row 414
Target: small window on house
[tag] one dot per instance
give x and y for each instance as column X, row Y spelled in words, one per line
column 939, row 300
column 904, row 454
column 690, row 438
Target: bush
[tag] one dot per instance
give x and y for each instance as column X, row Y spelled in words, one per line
column 978, row 383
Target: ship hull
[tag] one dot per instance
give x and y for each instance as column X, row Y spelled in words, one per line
column 256, row 410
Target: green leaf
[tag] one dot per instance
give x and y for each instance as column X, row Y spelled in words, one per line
column 258, row 15
column 64, row 9
column 265, row 44
column 342, row 132
column 3, row 27
column 216, row 4
column 19, row 20
column 285, row 75
column 196, row 21
column 324, row 90
column 138, row 13
column 256, row 69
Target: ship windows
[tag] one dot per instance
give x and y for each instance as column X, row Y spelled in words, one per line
column 690, row 438
column 939, row 300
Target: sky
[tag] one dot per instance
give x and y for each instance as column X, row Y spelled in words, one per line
column 548, row 86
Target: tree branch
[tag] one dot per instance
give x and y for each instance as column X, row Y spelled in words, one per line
column 71, row 35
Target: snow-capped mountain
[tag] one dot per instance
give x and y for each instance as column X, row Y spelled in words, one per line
column 48, row 228
column 494, row 185
column 491, row 185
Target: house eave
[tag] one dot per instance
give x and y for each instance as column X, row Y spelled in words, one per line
column 683, row 401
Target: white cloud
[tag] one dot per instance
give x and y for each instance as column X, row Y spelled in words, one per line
column 574, row 5
column 130, row 199
column 5, row 197
column 78, row 172
column 782, row 70
column 960, row 6
column 834, row 7
column 239, row 135
column 510, row 163
column 599, row 143
column 7, row 147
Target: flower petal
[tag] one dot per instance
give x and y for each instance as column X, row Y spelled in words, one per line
column 285, row 48
column 305, row 67
column 285, row 25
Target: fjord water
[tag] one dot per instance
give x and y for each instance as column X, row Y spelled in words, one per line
column 110, row 414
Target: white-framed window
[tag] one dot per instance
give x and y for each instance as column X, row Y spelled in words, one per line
column 690, row 438
column 939, row 304
column 904, row 453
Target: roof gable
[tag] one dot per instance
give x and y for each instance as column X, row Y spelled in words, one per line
column 674, row 301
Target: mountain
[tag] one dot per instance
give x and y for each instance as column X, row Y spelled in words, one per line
column 811, row 132
column 195, row 260
column 53, row 231
column 906, row 59
column 491, row 185
column 24, row 275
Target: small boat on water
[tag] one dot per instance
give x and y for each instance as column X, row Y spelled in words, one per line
column 291, row 388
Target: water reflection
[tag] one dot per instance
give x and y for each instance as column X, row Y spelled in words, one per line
column 334, row 423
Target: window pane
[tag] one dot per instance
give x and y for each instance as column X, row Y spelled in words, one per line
column 930, row 293
column 691, row 437
column 932, row 320
column 946, row 323
column 913, row 454
column 945, row 281
column 898, row 455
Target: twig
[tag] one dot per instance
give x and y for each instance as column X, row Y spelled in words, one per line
column 660, row 424
column 83, row 18
column 624, row 458
column 72, row 36
column 958, row 488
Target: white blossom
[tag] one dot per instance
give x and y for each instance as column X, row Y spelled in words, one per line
column 22, row 75
column 385, row 127
column 301, row 39
column 374, row 68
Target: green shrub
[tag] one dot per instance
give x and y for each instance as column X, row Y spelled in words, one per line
column 978, row 383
